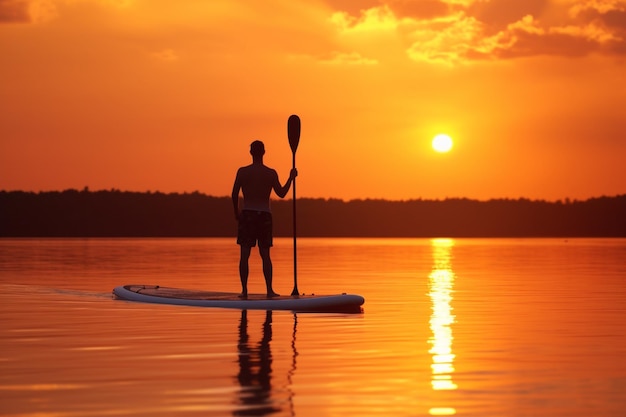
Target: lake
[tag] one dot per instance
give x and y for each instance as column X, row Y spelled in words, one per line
column 467, row 327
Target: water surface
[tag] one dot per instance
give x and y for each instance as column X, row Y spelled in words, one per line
column 469, row 327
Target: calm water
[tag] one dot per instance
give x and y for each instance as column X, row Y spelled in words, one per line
column 468, row 327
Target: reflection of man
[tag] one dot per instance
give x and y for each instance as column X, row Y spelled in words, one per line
column 255, row 220
column 255, row 368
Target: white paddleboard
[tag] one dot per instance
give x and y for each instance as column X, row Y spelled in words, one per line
column 340, row 303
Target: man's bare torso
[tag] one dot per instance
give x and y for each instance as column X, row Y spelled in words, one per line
column 257, row 181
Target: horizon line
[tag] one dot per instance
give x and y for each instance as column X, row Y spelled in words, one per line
column 447, row 198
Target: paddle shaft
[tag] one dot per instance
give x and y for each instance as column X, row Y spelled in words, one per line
column 293, row 132
column 295, row 250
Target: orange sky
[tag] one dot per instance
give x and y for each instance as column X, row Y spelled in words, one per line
column 167, row 95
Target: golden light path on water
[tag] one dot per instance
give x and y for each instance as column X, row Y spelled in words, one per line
column 440, row 284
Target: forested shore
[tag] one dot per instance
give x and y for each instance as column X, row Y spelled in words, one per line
column 115, row 213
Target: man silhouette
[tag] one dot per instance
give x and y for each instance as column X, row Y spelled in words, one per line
column 255, row 219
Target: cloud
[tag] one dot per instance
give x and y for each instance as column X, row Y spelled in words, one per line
column 425, row 9
column 607, row 15
column 167, row 55
column 374, row 19
column 25, row 11
column 446, row 41
column 496, row 15
column 14, row 11
column 363, row 32
column 593, row 27
column 342, row 58
column 456, row 31
column 38, row 11
column 353, row 7
column 372, row 34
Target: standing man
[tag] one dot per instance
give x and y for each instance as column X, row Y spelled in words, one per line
column 255, row 219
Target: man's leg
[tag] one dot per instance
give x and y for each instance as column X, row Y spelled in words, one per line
column 243, row 269
column 267, row 270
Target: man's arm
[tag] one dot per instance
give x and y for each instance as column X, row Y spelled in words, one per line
column 235, row 195
column 282, row 191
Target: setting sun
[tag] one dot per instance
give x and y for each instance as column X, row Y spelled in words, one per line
column 442, row 143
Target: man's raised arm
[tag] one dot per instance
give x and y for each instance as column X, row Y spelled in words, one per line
column 282, row 191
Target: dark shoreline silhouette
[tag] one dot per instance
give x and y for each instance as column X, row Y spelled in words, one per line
column 115, row 213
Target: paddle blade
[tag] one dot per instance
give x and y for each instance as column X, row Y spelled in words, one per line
column 293, row 132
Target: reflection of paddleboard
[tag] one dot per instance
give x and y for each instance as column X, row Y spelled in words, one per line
column 341, row 303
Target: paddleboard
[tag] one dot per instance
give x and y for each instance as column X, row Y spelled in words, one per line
column 340, row 303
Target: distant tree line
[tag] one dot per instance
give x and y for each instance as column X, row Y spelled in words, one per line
column 114, row 213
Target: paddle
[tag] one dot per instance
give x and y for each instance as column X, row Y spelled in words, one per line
column 293, row 133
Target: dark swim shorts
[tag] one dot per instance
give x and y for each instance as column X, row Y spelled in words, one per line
column 253, row 226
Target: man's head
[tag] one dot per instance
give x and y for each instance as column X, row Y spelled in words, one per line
column 257, row 149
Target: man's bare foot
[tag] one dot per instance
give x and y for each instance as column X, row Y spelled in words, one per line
column 272, row 294
column 243, row 296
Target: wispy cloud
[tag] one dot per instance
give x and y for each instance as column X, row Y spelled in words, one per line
column 38, row 11
column 354, row 58
column 25, row 11
column 167, row 55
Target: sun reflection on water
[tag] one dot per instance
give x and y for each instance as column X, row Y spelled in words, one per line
column 440, row 284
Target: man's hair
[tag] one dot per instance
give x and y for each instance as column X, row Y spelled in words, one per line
column 257, row 148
